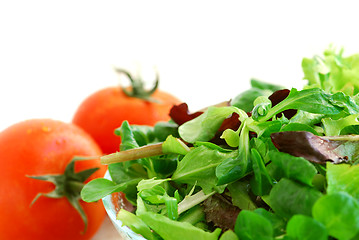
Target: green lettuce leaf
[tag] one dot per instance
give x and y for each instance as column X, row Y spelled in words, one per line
column 334, row 127
column 236, row 166
column 333, row 72
column 339, row 213
column 245, row 100
column 295, row 168
column 343, row 178
column 136, row 224
column 312, row 100
column 198, row 167
column 289, row 198
column 302, row 227
column 100, row 188
column 172, row 230
column 229, row 235
column 204, row 127
column 261, row 182
column 252, row 226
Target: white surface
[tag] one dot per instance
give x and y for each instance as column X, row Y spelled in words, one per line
column 107, row 231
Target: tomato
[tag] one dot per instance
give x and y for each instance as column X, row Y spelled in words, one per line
column 105, row 110
column 40, row 147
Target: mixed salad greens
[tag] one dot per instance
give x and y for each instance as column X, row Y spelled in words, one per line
column 272, row 163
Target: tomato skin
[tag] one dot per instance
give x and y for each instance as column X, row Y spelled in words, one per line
column 105, row 110
column 41, row 147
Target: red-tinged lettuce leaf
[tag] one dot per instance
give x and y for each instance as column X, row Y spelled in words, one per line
column 181, row 114
column 220, row 211
column 309, row 146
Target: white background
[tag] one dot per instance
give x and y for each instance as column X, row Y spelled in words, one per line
column 53, row 54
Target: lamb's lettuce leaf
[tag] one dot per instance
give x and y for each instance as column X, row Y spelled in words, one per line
column 339, row 213
column 236, row 166
column 306, row 228
column 100, row 188
column 252, row 226
column 295, row 168
column 173, row 230
column 136, row 224
column 198, row 167
column 289, row 198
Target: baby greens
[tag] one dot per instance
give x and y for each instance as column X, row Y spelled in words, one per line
column 250, row 170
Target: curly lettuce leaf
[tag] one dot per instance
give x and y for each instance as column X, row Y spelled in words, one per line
column 333, row 72
column 334, row 127
column 343, row 178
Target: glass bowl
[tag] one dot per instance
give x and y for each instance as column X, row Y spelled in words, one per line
column 125, row 232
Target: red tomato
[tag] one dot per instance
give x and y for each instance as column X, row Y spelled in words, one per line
column 105, row 110
column 41, row 147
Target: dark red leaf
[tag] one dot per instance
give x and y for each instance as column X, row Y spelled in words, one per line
column 279, row 96
column 232, row 122
column 180, row 114
column 307, row 145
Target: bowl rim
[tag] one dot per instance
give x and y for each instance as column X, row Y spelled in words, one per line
column 125, row 232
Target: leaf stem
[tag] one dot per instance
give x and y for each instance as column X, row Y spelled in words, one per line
column 191, row 201
column 133, row 154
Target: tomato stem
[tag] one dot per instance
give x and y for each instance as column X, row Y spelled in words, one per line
column 75, row 186
column 69, row 185
column 138, row 88
column 133, row 154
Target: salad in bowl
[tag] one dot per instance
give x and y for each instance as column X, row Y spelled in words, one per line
column 272, row 163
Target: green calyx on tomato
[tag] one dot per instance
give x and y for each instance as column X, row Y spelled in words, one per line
column 137, row 89
column 68, row 185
